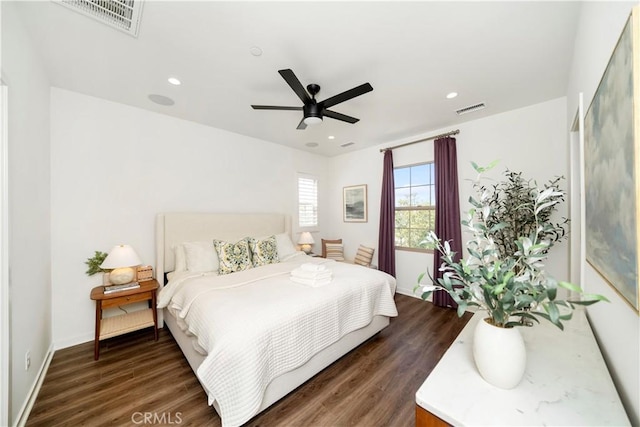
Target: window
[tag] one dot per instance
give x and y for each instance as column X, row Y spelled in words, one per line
column 307, row 201
column 415, row 204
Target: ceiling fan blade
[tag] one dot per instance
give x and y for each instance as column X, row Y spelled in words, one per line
column 302, row 125
column 295, row 84
column 275, row 107
column 347, row 95
column 339, row 116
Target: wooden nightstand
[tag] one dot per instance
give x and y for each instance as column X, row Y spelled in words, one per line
column 128, row 322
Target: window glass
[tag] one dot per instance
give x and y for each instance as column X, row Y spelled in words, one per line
column 415, row 205
column 307, row 201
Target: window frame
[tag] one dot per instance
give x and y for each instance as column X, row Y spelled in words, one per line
column 431, row 207
column 306, row 176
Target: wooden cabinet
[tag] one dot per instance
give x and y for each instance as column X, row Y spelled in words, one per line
column 126, row 322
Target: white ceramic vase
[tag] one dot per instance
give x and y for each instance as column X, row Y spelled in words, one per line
column 500, row 354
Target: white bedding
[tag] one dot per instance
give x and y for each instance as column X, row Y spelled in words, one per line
column 258, row 324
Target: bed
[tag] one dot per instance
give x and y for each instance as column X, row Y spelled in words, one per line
column 253, row 336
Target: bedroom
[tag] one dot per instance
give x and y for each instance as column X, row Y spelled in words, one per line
column 66, row 147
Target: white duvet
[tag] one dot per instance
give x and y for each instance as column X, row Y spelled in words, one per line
column 258, row 324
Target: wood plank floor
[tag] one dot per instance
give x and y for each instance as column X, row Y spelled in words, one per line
column 374, row 385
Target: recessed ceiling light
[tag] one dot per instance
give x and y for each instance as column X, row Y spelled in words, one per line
column 174, row 81
column 161, row 99
column 255, row 51
column 331, row 137
column 452, row 95
column 311, row 144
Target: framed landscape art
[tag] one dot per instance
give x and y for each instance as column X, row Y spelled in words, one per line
column 612, row 168
column 354, row 203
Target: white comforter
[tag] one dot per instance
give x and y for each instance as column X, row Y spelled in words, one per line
column 257, row 324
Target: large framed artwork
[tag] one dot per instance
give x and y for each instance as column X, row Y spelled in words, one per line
column 612, row 168
column 354, row 203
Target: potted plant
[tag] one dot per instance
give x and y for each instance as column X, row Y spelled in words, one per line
column 503, row 272
column 93, row 265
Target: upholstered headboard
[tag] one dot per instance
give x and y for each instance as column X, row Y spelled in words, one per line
column 175, row 228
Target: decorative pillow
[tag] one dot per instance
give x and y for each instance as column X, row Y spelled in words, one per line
column 264, row 251
column 285, row 245
column 324, row 247
column 200, row 256
column 364, row 256
column 233, row 257
column 335, row 251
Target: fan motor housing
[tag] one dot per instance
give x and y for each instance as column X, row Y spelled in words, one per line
column 312, row 110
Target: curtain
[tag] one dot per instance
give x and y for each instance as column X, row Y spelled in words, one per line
column 447, row 209
column 386, row 238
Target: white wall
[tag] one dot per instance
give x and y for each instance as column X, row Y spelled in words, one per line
column 114, row 167
column 616, row 324
column 29, row 210
column 531, row 140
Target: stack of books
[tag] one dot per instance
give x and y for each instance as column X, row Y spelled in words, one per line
column 119, row 288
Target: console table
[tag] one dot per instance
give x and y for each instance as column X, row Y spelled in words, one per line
column 566, row 383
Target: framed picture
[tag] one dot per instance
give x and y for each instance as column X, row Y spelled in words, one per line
column 612, row 172
column 354, row 203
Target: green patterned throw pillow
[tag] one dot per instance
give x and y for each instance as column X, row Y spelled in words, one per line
column 263, row 251
column 233, row 257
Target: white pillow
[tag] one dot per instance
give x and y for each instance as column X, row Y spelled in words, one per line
column 285, row 245
column 180, row 261
column 201, row 256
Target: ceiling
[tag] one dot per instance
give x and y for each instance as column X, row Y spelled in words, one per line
column 505, row 54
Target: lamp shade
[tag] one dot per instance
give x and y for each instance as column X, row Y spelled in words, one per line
column 306, row 238
column 120, row 261
column 121, row 256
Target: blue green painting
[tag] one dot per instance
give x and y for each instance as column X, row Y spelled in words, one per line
column 611, row 181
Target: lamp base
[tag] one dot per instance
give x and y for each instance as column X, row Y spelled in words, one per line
column 120, row 276
column 306, row 248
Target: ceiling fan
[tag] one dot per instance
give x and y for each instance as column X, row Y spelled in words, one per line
column 313, row 110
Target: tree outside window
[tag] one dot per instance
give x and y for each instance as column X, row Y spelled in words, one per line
column 415, row 205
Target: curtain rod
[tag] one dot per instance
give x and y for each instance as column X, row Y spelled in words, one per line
column 453, row 132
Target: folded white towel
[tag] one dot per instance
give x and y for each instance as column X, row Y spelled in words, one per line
column 310, row 282
column 312, row 267
column 305, row 274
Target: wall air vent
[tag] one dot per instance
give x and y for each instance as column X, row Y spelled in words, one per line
column 121, row 14
column 346, row 144
column 470, row 108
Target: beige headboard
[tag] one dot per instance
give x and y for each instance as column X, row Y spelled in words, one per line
column 175, row 228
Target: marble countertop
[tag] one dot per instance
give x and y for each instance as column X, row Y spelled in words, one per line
column 566, row 382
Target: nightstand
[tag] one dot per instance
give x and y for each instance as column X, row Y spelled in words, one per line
column 128, row 322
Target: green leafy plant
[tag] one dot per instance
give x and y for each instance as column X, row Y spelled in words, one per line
column 512, row 202
column 94, row 263
column 503, row 272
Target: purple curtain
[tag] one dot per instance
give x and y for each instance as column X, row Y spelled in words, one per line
column 447, row 209
column 386, row 239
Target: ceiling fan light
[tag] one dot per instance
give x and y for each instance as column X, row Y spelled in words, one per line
column 312, row 120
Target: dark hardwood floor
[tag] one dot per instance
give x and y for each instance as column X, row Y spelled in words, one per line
column 136, row 377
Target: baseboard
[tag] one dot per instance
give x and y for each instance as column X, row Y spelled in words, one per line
column 407, row 292
column 25, row 410
column 70, row 342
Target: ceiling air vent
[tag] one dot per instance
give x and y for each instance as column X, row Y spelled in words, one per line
column 121, row 14
column 346, row 144
column 470, row 109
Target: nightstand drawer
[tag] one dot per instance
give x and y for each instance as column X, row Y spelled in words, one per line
column 128, row 299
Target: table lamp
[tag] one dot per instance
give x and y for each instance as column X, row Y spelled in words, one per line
column 305, row 242
column 120, row 261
